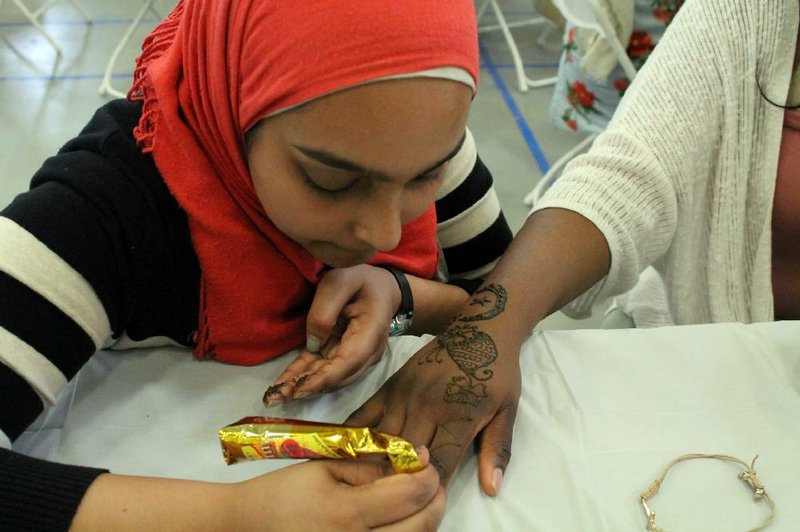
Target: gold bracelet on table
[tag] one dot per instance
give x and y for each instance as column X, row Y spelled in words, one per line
column 748, row 476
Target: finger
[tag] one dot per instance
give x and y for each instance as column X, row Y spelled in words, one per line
column 333, row 293
column 367, row 471
column 337, row 373
column 364, row 338
column 371, row 361
column 381, row 497
column 419, row 430
column 370, row 413
column 326, row 353
column 383, row 415
column 428, row 518
column 449, row 445
column 303, row 364
column 494, row 450
column 309, row 383
column 395, row 497
column 360, row 472
column 415, row 419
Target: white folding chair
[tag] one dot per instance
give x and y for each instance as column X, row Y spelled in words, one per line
column 523, row 81
column 33, row 18
column 47, row 5
column 583, row 14
column 105, row 85
column 588, row 14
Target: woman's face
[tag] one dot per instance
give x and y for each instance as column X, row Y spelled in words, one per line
column 341, row 174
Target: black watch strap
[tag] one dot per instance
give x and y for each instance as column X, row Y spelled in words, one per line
column 405, row 315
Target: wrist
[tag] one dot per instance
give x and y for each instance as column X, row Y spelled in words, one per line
column 404, row 316
column 493, row 309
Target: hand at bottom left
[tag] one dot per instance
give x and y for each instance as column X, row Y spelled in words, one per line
column 343, row 495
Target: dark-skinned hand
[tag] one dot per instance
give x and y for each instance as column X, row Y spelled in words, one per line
column 461, row 387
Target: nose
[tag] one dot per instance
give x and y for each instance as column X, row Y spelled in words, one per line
column 379, row 224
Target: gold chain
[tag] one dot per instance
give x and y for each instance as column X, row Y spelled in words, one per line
column 748, row 475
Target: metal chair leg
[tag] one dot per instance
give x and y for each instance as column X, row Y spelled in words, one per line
column 35, row 22
column 523, row 81
column 105, row 85
column 47, row 5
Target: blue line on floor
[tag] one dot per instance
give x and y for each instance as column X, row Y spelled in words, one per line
column 521, row 13
column 63, row 77
column 79, row 22
column 519, row 118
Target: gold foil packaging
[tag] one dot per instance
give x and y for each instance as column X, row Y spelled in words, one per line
column 259, row 438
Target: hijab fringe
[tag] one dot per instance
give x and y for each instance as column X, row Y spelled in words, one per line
column 153, row 47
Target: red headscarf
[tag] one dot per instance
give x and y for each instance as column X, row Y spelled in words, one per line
column 207, row 74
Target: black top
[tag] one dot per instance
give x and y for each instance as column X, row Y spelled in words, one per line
column 101, row 221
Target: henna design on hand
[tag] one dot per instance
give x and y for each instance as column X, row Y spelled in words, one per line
column 493, row 294
column 472, row 350
column 431, row 353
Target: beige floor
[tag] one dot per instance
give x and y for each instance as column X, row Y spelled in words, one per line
column 45, row 100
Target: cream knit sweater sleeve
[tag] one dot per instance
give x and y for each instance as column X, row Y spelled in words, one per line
column 683, row 178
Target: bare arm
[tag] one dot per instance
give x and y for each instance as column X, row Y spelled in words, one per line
column 557, row 255
column 321, row 495
column 124, row 503
column 435, row 304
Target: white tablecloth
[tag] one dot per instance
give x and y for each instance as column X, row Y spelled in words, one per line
column 601, row 413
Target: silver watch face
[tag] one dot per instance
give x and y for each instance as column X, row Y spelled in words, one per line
column 399, row 325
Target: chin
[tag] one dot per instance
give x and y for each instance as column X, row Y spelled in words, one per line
column 344, row 259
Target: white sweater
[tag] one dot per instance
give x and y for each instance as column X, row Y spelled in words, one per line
column 684, row 176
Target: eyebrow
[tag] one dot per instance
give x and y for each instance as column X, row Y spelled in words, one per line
column 334, row 161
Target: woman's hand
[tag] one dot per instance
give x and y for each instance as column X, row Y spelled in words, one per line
column 467, row 382
column 315, row 495
column 347, row 329
column 338, row 495
column 460, row 386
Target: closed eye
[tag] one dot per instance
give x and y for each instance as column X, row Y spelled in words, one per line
column 326, row 192
column 429, row 177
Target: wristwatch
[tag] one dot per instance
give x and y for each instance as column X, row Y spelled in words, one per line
column 405, row 315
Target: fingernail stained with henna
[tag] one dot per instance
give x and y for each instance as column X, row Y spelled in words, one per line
column 274, row 400
column 273, row 395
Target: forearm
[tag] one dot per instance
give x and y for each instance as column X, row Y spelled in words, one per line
column 142, row 503
column 557, row 255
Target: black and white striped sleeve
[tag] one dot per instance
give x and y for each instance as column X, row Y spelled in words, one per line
column 96, row 251
column 97, row 248
column 51, row 321
column 472, row 231
column 41, row 331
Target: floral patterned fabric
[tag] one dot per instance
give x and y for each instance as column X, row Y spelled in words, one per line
column 581, row 104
